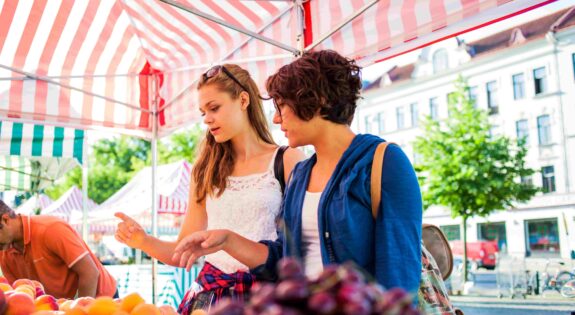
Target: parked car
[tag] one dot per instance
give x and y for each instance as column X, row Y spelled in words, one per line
column 481, row 254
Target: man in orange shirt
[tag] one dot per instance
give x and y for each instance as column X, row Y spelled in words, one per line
column 48, row 250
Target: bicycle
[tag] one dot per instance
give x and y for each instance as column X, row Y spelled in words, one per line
column 557, row 280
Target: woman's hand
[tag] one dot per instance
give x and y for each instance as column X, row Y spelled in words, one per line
column 199, row 244
column 129, row 231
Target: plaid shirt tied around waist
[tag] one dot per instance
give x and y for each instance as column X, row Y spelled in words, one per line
column 215, row 285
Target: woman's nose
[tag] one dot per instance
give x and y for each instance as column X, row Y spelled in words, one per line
column 277, row 119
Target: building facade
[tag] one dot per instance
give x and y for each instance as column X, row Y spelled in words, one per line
column 525, row 78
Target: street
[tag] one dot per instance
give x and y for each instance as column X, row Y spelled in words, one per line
column 483, row 300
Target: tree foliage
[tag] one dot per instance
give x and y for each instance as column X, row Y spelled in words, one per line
column 113, row 162
column 466, row 168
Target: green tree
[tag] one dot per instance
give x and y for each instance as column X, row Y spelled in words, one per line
column 466, row 168
column 114, row 162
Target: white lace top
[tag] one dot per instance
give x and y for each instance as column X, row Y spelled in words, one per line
column 249, row 206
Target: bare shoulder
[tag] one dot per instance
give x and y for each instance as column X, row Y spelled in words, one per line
column 291, row 157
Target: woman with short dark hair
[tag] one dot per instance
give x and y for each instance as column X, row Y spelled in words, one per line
column 327, row 203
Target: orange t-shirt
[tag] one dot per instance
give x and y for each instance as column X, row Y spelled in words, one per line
column 51, row 248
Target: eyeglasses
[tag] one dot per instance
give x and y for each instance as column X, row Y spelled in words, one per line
column 213, row 71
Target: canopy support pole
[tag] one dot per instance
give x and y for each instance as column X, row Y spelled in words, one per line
column 341, row 25
column 154, row 93
column 85, row 231
column 48, row 80
column 231, row 26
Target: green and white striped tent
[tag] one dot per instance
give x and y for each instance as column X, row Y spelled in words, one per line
column 32, row 157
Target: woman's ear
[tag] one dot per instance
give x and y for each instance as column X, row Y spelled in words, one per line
column 244, row 100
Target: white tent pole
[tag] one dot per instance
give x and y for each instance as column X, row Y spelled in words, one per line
column 154, row 178
column 85, row 231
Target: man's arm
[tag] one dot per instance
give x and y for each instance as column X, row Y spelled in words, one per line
column 88, row 275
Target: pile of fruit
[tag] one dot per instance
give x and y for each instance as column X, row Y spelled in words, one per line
column 338, row 290
column 25, row 297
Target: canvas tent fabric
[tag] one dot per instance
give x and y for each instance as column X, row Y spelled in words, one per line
column 135, row 199
column 69, row 205
column 128, row 65
column 38, row 201
column 32, row 156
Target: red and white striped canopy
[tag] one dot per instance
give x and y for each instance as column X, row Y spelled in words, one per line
column 123, row 63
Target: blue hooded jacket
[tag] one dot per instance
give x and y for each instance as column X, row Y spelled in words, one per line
column 389, row 247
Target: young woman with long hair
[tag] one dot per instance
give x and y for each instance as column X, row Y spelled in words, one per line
column 233, row 185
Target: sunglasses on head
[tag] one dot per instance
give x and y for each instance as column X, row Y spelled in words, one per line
column 213, row 71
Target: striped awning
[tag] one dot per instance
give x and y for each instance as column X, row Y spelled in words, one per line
column 32, row 157
column 28, row 140
column 123, row 64
column 70, row 204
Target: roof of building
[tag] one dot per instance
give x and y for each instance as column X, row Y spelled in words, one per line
column 512, row 37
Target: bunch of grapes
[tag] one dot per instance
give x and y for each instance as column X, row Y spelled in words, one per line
column 339, row 290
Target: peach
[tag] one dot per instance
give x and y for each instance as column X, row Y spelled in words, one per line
column 3, row 302
column 167, row 310
column 120, row 312
column 130, row 301
column 82, row 303
column 46, row 303
column 20, row 304
column 24, row 288
column 4, row 280
column 75, row 311
column 37, row 284
column 145, row 309
column 48, row 313
column 103, row 306
column 20, row 282
column 66, row 305
column 5, row 287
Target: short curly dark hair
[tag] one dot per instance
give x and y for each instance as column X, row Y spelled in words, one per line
column 322, row 80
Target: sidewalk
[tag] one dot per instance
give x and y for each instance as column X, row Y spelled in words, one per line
column 551, row 303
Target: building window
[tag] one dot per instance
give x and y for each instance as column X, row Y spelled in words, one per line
column 473, row 95
column 380, row 123
column 368, row 124
column 400, row 117
column 527, row 181
column 492, row 99
column 542, row 237
column 452, row 232
column 414, row 114
column 540, row 79
column 493, row 231
column 440, row 60
column 518, row 86
column 544, row 129
column 522, row 129
column 433, row 108
column 548, row 179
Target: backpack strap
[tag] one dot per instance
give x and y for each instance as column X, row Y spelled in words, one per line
column 376, row 169
column 432, row 237
column 279, row 167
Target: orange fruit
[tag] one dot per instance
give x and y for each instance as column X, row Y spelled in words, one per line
column 145, row 309
column 130, row 301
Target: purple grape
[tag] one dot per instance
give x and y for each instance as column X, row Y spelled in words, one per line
column 322, row 303
column 362, row 307
column 350, row 293
column 228, row 306
column 262, row 295
column 291, row 291
column 276, row 309
column 290, row 268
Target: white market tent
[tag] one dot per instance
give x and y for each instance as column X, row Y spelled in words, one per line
column 130, row 65
column 39, row 201
column 69, row 205
column 135, row 199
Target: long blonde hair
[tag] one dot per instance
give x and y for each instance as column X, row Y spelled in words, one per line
column 216, row 160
